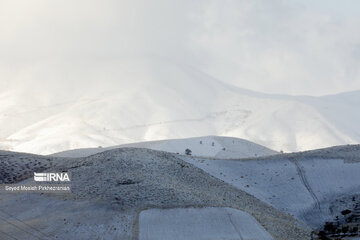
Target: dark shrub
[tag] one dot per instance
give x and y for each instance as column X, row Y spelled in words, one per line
column 188, row 151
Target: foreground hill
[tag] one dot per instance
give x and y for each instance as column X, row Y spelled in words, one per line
column 156, row 99
column 315, row 187
column 117, row 193
column 111, row 189
column 211, row 146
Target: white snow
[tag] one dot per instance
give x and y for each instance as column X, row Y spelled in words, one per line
column 59, row 219
column 209, row 146
column 108, row 207
column 157, row 99
column 199, row 224
column 295, row 187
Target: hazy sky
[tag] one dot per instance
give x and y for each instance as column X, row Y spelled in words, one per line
column 293, row 47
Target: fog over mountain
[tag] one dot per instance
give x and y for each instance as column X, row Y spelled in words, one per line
column 158, row 99
column 85, row 73
column 289, row 47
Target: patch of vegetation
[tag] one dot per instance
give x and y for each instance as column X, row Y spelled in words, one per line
column 342, row 227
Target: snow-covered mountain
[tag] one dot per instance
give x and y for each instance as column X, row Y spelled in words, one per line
column 155, row 99
column 210, row 146
column 303, row 184
column 134, row 193
column 124, row 190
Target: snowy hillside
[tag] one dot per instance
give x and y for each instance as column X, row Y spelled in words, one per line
column 306, row 185
column 200, row 224
column 281, row 197
column 211, row 146
column 123, row 206
column 157, row 99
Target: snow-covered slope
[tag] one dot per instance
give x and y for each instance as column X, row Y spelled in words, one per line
column 211, row 146
column 156, row 99
column 302, row 184
column 120, row 184
column 199, row 224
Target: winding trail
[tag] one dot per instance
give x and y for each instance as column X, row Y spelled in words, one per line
column 304, row 180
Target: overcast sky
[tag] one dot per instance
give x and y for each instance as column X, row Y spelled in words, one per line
column 307, row 47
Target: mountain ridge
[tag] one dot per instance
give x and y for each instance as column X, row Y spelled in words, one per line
column 155, row 99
